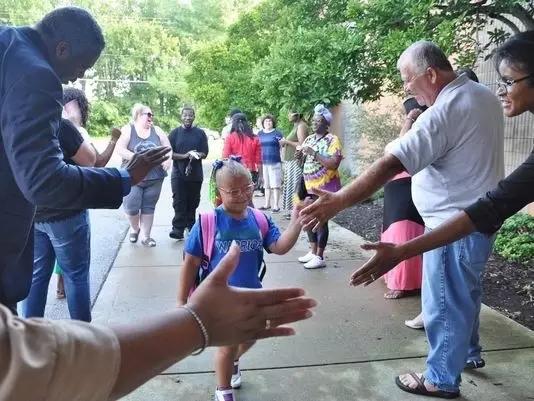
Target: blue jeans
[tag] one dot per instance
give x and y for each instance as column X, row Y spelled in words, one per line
column 451, row 297
column 69, row 241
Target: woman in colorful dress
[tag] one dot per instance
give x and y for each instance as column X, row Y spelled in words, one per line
column 322, row 155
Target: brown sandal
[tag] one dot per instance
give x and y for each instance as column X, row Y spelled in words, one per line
column 421, row 389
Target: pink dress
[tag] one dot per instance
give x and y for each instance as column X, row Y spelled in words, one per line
column 401, row 223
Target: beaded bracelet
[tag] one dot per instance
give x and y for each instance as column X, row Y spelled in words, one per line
column 201, row 326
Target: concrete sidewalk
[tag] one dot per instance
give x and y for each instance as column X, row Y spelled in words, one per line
column 351, row 349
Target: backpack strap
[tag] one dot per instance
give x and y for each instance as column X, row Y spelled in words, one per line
column 207, row 227
column 261, row 221
column 263, row 224
column 207, row 231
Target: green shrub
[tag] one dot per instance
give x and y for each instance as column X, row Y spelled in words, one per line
column 346, row 177
column 167, row 123
column 515, row 240
column 104, row 115
column 373, row 128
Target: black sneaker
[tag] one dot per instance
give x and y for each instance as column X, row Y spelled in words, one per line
column 177, row 234
column 470, row 365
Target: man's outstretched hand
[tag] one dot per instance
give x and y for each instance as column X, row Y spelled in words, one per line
column 387, row 256
column 141, row 163
column 323, row 209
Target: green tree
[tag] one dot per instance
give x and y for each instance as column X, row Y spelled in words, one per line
column 220, row 78
column 361, row 41
column 391, row 25
column 302, row 72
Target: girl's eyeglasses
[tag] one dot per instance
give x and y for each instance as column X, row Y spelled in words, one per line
column 234, row 193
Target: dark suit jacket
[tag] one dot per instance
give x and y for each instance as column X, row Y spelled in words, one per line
column 32, row 170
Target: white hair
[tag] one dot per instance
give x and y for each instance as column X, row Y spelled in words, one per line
column 422, row 55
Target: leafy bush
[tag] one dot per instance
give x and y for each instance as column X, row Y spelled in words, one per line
column 374, row 126
column 167, row 123
column 515, row 240
column 346, row 177
column 104, row 115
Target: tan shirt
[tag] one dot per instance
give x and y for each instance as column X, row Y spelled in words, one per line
column 44, row 360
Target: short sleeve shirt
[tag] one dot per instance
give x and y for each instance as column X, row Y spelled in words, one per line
column 247, row 234
column 182, row 141
column 70, row 140
column 454, row 150
column 270, row 147
column 317, row 176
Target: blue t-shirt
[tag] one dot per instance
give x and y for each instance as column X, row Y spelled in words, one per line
column 246, row 233
column 270, row 147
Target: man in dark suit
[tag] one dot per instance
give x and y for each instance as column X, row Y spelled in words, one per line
column 33, row 64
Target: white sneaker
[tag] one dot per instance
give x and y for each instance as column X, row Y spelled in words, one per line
column 225, row 395
column 306, row 258
column 235, row 382
column 416, row 323
column 316, row 263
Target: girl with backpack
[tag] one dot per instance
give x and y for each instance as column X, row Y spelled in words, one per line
column 209, row 241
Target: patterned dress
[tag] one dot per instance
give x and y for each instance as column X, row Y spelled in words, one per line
column 316, row 176
column 292, row 172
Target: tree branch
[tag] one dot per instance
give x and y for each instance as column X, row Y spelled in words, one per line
column 523, row 15
column 515, row 29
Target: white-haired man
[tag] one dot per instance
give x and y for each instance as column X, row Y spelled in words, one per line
column 454, row 152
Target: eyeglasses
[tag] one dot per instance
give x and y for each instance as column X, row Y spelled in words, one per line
column 235, row 193
column 506, row 84
column 150, row 115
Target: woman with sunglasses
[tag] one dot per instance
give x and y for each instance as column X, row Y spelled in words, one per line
column 139, row 205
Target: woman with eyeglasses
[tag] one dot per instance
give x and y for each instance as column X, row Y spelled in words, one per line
column 139, row 205
column 514, row 61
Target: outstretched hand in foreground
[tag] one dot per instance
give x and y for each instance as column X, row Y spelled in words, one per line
column 234, row 315
column 230, row 316
column 387, row 256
